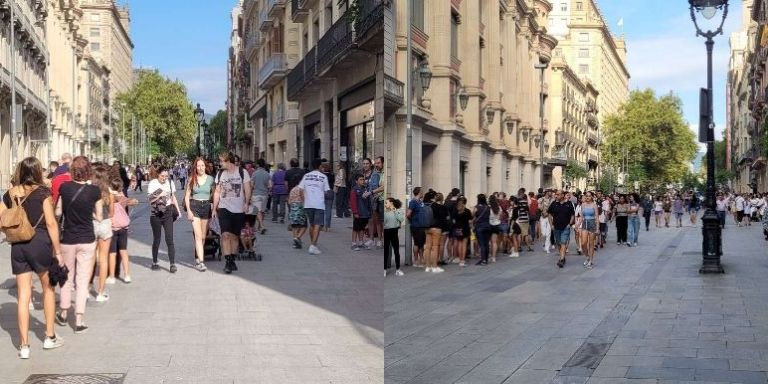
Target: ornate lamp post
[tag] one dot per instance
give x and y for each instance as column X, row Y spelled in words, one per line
column 712, row 244
column 200, row 117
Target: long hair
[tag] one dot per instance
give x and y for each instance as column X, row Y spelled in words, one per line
column 102, row 179
column 28, row 172
column 193, row 171
column 494, row 204
column 482, row 200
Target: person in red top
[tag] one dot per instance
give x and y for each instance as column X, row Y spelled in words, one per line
column 56, row 183
column 533, row 216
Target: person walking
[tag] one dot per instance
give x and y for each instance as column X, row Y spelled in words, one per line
column 315, row 185
column 340, row 188
column 163, row 207
column 296, row 216
column 546, row 228
column 647, row 207
column 261, row 186
column 667, row 207
column 38, row 254
column 292, row 178
column 721, row 207
column 393, row 220
column 678, row 206
column 621, row 212
column 197, row 198
column 231, row 200
column 633, row 220
column 102, row 225
column 494, row 219
column 279, row 194
column 482, row 227
column 589, row 229
column 139, row 178
column 330, row 195
column 80, row 202
column 561, row 216
column 658, row 210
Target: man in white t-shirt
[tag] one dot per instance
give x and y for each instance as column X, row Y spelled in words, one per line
column 739, row 202
column 230, row 202
column 315, row 184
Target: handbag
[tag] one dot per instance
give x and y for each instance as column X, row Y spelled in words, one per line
column 174, row 212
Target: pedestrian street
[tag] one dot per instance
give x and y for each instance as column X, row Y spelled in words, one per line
column 291, row 318
column 642, row 315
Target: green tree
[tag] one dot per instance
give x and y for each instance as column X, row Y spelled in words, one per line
column 218, row 128
column 651, row 133
column 574, row 171
column 164, row 109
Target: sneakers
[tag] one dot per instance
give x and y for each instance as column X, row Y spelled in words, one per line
column 155, row 266
column 24, row 352
column 399, row 273
column 428, row 269
column 437, row 270
column 385, row 273
column 228, row 264
column 201, row 267
column 560, row 263
column 369, row 243
column 263, row 231
column 462, row 264
column 635, row 245
column 127, row 279
column 52, row 342
column 82, row 328
column 355, row 247
column 111, row 281
column 173, row 268
column 296, row 243
column 314, row 250
column 379, row 244
column 102, row 298
column 514, row 254
column 60, row 320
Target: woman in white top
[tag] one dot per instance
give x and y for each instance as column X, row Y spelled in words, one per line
column 164, row 209
column 658, row 210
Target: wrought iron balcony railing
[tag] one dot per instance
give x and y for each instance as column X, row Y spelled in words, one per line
column 272, row 71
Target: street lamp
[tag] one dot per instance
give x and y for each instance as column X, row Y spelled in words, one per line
column 200, row 117
column 463, row 98
column 712, row 242
column 541, row 66
column 425, row 75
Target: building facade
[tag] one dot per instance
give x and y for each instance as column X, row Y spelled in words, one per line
column 305, row 75
column 24, row 60
column 741, row 129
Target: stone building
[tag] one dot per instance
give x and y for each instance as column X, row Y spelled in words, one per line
column 312, row 76
column 476, row 122
column 24, row 60
column 743, row 107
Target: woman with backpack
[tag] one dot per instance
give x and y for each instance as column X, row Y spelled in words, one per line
column 80, row 203
column 28, row 220
column 197, row 198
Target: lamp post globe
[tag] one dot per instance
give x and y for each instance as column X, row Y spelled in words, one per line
column 712, row 241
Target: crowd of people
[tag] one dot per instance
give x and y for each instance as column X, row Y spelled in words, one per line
column 449, row 228
column 76, row 219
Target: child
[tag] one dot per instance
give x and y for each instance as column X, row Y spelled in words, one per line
column 361, row 211
column 246, row 238
column 296, row 215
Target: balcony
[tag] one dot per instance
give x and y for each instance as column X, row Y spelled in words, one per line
column 592, row 139
column 275, row 8
column 265, row 21
column 272, row 71
column 393, row 92
column 252, row 44
column 299, row 11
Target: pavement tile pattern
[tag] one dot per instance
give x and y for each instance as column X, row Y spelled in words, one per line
column 643, row 315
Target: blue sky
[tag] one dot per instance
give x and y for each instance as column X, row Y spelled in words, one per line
column 189, row 39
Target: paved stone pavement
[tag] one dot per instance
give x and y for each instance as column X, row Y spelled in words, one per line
column 643, row 315
column 291, row 318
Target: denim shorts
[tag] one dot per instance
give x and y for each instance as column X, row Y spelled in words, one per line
column 504, row 228
column 315, row 216
column 562, row 236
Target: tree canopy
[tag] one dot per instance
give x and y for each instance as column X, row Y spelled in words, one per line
column 163, row 107
column 651, row 132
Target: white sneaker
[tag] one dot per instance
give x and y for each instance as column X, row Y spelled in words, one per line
column 102, row 298
column 24, row 352
column 313, row 250
column 399, row 273
column 428, row 269
column 127, row 279
column 369, row 243
column 437, row 270
column 514, row 254
column 110, row 280
column 379, row 244
column 385, row 273
column 51, row 343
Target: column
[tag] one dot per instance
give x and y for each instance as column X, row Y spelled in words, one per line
column 476, row 180
column 448, row 163
column 496, row 183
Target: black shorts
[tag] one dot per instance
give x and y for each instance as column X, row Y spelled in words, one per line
column 359, row 224
column 200, row 208
column 739, row 215
column 231, row 222
column 35, row 255
column 419, row 237
column 516, row 230
column 119, row 240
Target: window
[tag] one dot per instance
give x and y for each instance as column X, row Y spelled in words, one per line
column 95, row 32
column 93, row 16
column 583, row 69
column 95, row 47
column 584, row 36
column 579, row 6
column 564, row 7
column 417, row 10
column 454, row 35
column 584, row 53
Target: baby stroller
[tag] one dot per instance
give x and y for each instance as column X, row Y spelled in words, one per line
column 212, row 242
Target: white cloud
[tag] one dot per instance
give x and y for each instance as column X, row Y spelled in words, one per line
column 205, row 85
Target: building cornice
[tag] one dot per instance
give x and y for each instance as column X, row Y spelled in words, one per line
column 115, row 14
